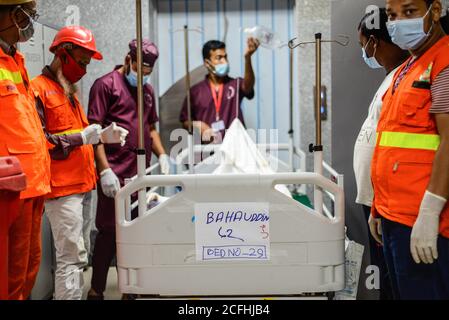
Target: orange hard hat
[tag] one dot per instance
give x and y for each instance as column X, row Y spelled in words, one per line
column 79, row 36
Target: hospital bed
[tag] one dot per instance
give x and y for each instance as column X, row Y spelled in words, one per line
column 156, row 252
column 169, row 251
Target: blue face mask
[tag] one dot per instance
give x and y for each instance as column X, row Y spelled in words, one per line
column 132, row 78
column 372, row 61
column 409, row 34
column 222, row 70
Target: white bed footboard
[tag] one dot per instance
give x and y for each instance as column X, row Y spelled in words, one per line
column 156, row 253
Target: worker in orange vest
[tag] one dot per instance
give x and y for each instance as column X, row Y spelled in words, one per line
column 410, row 168
column 21, row 136
column 72, row 156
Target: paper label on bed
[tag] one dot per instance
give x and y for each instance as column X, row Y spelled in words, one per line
column 232, row 231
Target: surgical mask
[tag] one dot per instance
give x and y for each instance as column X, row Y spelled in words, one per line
column 132, row 78
column 409, row 34
column 222, row 70
column 71, row 70
column 372, row 61
column 26, row 33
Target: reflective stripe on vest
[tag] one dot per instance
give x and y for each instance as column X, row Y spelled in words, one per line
column 15, row 77
column 69, row 132
column 410, row 140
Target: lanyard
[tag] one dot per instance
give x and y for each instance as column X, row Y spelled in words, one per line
column 403, row 74
column 218, row 98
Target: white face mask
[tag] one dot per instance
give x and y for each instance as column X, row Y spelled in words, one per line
column 222, row 70
column 26, row 33
column 409, row 34
column 372, row 61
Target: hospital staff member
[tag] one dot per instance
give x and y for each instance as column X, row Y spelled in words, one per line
column 379, row 52
column 113, row 98
column 72, row 155
column 410, row 169
column 214, row 101
column 21, row 136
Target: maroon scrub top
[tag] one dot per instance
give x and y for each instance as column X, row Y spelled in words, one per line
column 112, row 99
column 203, row 105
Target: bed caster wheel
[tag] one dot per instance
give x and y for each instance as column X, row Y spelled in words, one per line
column 330, row 295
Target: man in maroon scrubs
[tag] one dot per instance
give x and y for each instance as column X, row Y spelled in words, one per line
column 216, row 101
column 113, row 98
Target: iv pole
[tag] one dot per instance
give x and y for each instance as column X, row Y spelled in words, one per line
column 188, row 82
column 189, row 101
column 317, row 148
column 291, row 131
column 141, row 153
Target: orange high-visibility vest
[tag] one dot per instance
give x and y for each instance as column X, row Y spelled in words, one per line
column 76, row 174
column 21, row 133
column 407, row 141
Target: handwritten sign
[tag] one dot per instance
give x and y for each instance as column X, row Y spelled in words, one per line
column 232, row 231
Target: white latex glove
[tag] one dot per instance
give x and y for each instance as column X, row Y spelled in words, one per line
column 165, row 163
column 423, row 244
column 109, row 183
column 91, row 135
column 114, row 134
column 375, row 227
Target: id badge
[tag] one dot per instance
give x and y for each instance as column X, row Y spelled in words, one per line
column 218, row 126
